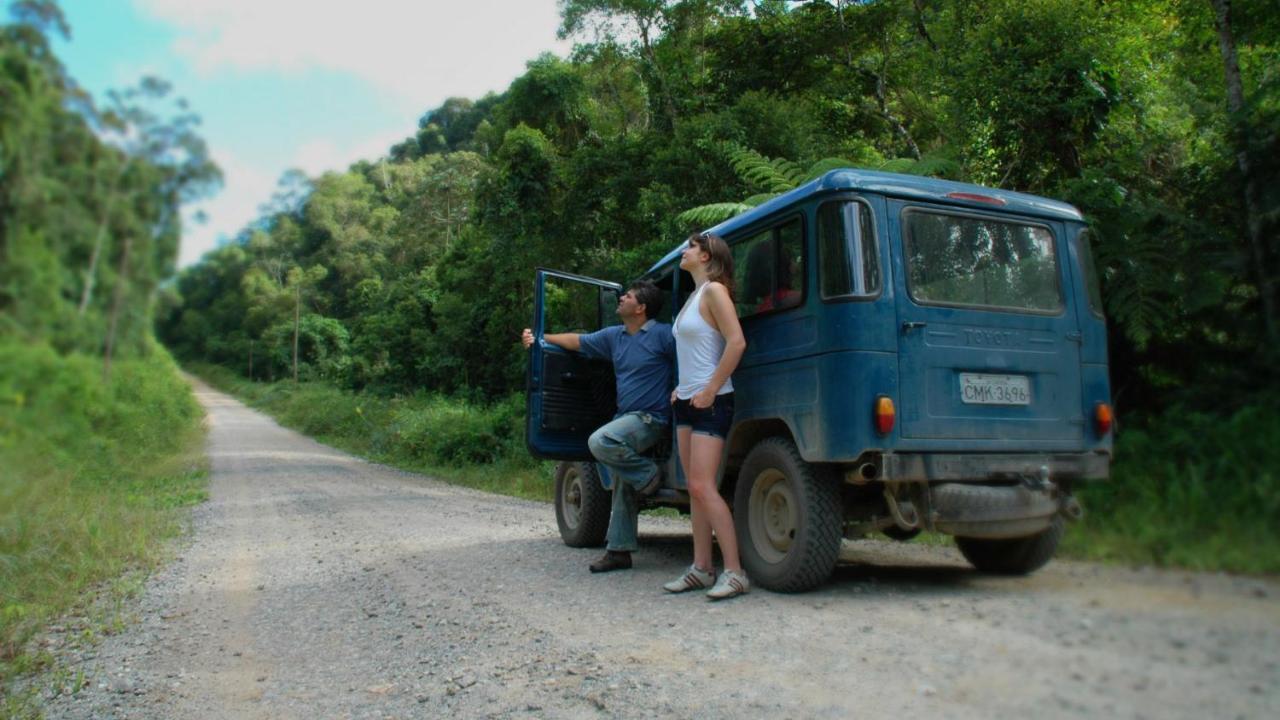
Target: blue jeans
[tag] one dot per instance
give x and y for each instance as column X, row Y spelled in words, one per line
column 618, row 445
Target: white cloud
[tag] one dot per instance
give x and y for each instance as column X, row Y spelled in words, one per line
column 319, row 155
column 418, row 52
column 245, row 187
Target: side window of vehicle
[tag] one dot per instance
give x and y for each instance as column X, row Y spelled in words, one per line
column 769, row 269
column 848, row 261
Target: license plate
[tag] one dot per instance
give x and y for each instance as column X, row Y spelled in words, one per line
column 984, row 389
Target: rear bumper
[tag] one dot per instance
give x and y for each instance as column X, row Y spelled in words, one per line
column 980, row 467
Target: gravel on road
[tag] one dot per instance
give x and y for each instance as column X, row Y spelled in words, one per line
column 318, row 585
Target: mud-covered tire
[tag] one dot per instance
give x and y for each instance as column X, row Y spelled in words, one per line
column 788, row 518
column 1015, row 556
column 582, row 505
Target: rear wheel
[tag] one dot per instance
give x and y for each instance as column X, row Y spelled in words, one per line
column 1015, row 556
column 582, row 505
column 788, row 518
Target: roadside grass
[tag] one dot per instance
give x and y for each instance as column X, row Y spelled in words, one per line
column 1192, row 490
column 92, row 476
column 1188, row 490
column 475, row 446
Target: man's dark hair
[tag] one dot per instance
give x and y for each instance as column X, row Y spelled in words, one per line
column 648, row 295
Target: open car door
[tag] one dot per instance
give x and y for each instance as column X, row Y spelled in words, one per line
column 568, row 396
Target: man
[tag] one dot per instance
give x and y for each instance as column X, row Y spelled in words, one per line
column 642, row 351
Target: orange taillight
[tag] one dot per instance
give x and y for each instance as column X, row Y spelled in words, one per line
column 1102, row 419
column 884, row 415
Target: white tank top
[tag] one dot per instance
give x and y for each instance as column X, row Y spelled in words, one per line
column 698, row 348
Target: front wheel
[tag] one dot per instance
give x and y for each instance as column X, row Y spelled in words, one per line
column 1016, row 556
column 582, row 505
column 788, row 518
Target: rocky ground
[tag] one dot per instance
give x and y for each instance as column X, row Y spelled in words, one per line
column 316, row 585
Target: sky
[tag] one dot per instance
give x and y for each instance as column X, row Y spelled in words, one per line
column 306, row 84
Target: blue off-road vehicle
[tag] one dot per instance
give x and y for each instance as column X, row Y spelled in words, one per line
column 921, row 355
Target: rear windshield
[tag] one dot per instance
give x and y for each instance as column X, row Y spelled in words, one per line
column 979, row 262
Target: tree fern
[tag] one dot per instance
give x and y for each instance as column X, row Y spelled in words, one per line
column 1137, row 276
column 826, row 165
column 935, row 166
column 774, row 176
column 713, row 214
column 759, row 199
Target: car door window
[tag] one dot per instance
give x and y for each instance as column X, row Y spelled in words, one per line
column 769, row 269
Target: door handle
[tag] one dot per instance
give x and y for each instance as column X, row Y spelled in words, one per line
column 909, row 325
column 568, row 376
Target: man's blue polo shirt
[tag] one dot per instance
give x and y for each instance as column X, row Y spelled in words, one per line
column 641, row 362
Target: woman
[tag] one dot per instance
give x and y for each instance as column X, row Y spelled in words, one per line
column 709, row 344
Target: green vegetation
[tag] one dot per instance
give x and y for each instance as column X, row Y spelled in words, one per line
column 100, row 438
column 411, row 272
column 1190, row 489
column 93, row 474
column 477, row 445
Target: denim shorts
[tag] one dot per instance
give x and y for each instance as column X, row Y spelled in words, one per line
column 714, row 421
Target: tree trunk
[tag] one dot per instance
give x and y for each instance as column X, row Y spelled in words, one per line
column 90, row 276
column 117, row 301
column 297, row 308
column 668, row 102
column 92, row 272
column 1252, row 205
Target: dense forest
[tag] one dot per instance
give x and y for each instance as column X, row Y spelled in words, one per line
column 1157, row 118
column 89, row 196
column 100, row 438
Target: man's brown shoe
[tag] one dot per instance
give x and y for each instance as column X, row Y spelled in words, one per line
column 612, row 560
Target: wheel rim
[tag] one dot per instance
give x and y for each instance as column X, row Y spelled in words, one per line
column 571, row 503
column 772, row 515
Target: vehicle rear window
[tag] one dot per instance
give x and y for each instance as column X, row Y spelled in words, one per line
column 847, row 257
column 980, row 262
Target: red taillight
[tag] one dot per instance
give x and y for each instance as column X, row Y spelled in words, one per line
column 975, row 197
column 884, row 415
column 1102, row 419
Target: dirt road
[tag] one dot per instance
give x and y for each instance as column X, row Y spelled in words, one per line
column 316, row 585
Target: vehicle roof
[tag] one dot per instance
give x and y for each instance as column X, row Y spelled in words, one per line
column 911, row 187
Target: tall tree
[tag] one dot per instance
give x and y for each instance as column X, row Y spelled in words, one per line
column 1237, row 108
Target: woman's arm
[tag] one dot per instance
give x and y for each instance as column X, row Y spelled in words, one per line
column 725, row 319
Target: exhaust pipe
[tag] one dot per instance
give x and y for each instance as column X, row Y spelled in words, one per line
column 862, row 474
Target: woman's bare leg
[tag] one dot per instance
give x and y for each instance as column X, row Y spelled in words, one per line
column 709, row 507
column 701, row 528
